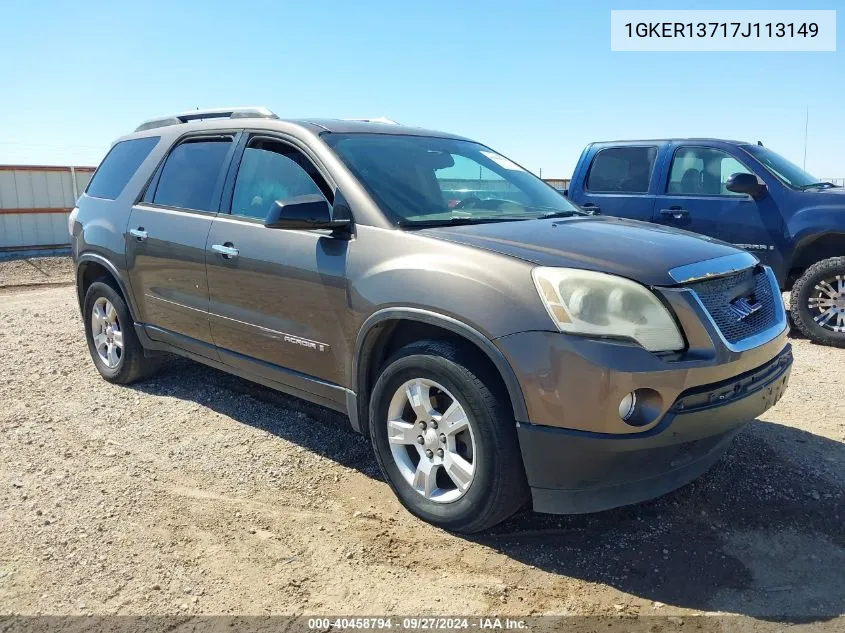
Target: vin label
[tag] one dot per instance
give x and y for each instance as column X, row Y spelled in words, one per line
column 723, row 30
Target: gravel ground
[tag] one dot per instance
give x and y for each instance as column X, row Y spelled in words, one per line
column 196, row 492
column 19, row 274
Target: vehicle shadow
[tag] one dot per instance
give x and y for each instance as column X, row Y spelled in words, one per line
column 311, row 426
column 762, row 534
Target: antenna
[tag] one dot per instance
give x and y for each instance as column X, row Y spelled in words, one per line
column 806, row 127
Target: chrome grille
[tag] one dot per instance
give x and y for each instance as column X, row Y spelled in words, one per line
column 716, row 296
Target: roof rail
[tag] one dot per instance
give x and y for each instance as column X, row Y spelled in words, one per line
column 378, row 119
column 212, row 113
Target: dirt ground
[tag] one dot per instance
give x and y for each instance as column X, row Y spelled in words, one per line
column 196, row 492
column 19, row 274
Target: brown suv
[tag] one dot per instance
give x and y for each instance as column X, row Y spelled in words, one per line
column 493, row 340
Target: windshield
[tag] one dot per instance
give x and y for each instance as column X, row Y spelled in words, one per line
column 424, row 181
column 788, row 172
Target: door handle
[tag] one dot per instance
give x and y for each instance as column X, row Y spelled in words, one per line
column 227, row 250
column 674, row 212
column 139, row 234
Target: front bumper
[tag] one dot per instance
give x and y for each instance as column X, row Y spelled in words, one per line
column 573, row 471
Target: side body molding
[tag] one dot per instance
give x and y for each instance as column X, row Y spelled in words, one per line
column 367, row 335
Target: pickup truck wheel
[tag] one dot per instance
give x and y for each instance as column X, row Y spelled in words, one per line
column 110, row 331
column 445, row 442
column 818, row 302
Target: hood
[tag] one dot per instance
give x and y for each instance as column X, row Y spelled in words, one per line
column 835, row 192
column 637, row 250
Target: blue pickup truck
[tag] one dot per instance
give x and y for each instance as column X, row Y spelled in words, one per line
column 737, row 192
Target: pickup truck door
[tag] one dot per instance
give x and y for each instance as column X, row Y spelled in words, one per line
column 166, row 239
column 616, row 181
column 277, row 296
column 694, row 198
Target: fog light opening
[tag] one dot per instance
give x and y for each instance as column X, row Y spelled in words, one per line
column 627, row 406
column 640, row 407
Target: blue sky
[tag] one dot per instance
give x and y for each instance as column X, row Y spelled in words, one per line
column 535, row 80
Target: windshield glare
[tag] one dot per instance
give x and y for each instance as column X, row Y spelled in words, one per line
column 428, row 180
column 787, row 171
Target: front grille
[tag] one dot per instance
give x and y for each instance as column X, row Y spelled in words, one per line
column 717, row 294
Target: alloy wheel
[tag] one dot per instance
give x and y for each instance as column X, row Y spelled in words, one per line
column 431, row 440
column 827, row 303
column 106, row 333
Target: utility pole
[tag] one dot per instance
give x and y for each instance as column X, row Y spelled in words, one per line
column 806, row 127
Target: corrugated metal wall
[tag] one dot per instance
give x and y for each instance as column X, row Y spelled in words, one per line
column 35, row 202
column 558, row 183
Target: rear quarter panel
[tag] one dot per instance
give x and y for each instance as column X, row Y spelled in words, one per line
column 99, row 229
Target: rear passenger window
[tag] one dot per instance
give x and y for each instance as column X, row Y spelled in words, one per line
column 702, row 171
column 119, row 165
column 191, row 173
column 622, row 170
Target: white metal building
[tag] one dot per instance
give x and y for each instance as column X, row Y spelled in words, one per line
column 34, row 205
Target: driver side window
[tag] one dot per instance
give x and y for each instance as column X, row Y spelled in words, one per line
column 270, row 171
column 703, row 171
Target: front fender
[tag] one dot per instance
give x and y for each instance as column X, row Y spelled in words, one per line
column 811, row 224
column 491, row 293
column 363, row 347
column 479, row 295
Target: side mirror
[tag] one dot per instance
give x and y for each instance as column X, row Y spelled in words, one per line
column 303, row 213
column 746, row 183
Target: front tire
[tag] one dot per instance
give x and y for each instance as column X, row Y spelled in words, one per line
column 110, row 331
column 817, row 302
column 445, row 439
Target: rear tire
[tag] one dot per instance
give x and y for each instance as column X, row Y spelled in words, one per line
column 110, row 331
column 817, row 302
column 485, row 453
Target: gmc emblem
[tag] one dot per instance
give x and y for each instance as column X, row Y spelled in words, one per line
column 744, row 307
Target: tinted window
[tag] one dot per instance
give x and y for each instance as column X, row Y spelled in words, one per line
column 119, row 166
column 703, row 171
column 271, row 171
column 190, row 174
column 622, row 169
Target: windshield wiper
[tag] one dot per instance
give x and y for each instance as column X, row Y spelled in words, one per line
column 420, row 224
column 562, row 214
column 817, row 184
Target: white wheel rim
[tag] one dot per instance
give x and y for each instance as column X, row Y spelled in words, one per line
column 106, row 333
column 431, row 440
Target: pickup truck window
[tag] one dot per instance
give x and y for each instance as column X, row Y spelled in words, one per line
column 621, row 170
column 702, row 171
column 789, row 173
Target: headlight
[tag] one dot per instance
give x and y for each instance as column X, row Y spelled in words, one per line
column 585, row 302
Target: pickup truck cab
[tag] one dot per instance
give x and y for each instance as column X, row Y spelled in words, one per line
column 737, row 192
